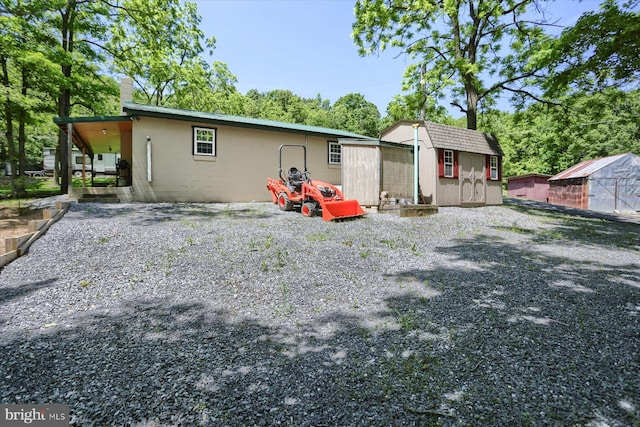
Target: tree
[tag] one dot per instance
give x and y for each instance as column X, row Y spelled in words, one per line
column 355, row 114
column 80, row 26
column 548, row 139
column 599, row 51
column 28, row 76
column 480, row 40
column 159, row 44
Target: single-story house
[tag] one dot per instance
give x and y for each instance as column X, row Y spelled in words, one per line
column 456, row 166
column 174, row 155
column 607, row 184
column 532, row 186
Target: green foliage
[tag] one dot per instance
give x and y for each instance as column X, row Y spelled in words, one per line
column 599, row 51
column 544, row 139
column 159, row 44
column 354, row 113
column 351, row 112
column 478, row 39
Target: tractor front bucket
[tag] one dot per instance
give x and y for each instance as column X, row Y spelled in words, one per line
column 341, row 209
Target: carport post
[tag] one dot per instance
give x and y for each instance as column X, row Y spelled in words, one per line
column 415, row 162
column 69, row 157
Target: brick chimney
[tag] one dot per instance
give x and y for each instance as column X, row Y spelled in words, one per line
column 126, row 92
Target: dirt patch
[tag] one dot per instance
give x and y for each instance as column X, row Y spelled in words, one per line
column 15, row 222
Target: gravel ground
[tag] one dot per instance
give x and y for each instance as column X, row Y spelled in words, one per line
column 240, row 314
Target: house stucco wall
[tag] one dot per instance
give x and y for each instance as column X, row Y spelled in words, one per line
column 244, row 159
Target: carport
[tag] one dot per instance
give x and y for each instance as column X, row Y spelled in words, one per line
column 94, row 135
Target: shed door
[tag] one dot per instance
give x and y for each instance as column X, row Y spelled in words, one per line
column 472, row 178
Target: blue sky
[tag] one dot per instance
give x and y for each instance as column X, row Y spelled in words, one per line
column 305, row 46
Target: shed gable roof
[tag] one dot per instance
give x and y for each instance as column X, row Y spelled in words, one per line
column 453, row 138
column 459, row 139
column 237, row 121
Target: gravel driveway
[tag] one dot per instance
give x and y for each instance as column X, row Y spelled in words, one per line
column 240, row 314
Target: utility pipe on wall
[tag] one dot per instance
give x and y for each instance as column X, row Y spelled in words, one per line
column 148, row 159
column 415, row 162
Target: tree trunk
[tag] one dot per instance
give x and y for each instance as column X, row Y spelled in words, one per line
column 22, row 137
column 64, row 99
column 472, row 106
column 8, row 119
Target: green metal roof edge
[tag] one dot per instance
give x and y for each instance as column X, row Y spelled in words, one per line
column 229, row 120
column 65, row 120
column 375, row 142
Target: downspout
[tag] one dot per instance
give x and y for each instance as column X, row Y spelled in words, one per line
column 415, row 162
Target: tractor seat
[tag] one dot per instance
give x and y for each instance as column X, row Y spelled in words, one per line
column 295, row 179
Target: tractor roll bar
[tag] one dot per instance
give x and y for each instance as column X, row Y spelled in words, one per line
column 304, row 148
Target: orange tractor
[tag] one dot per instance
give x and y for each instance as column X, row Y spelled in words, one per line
column 299, row 191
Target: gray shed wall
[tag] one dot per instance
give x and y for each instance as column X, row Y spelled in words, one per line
column 616, row 187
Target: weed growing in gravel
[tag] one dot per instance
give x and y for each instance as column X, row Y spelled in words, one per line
column 268, row 241
column 316, row 237
column 285, row 308
column 103, row 240
column 551, row 234
column 407, row 320
column 414, row 249
column 515, row 228
column 389, row 243
column 190, row 224
column 365, row 252
column 85, row 283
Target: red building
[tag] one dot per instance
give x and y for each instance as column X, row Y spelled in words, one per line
column 533, row 186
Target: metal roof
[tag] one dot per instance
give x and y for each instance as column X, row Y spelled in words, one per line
column 586, row 168
column 238, row 121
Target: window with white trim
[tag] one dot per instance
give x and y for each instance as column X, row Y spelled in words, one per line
column 493, row 166
column 335, row 153
column 204, row 141
column 448, row 163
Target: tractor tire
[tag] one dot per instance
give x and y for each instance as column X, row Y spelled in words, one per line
column 284, row 202
column 309, row 209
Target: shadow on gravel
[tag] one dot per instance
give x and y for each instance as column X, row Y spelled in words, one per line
column 563, row 352
column 150, row 213
column 510, row 334
column 24, row 290
column 158, row 363
column 559, row 338
column 578, row 229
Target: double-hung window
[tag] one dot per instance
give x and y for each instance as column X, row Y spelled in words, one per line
column 335, row 153
column 204, row 141
column 493, row 167
column 448, row 164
